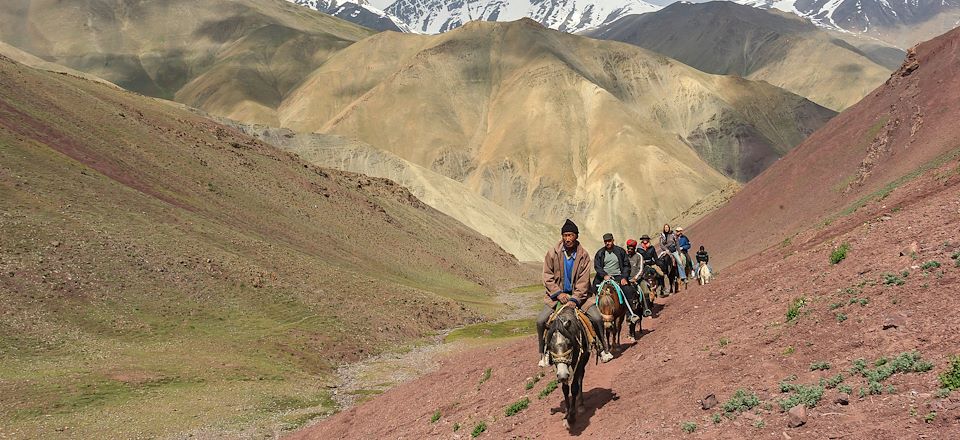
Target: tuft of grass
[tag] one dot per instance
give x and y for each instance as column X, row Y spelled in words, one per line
column 844, row 388
column 478, row 429
column 533, row 381
column 716, row 418
column 942, row 393
column 435, row 417
column 742, row 400
column 793, row 310
column 950, row 379
column 930, row 417
column 841, row 317
column 862, row 301
column 789, row 350
column 759, row 424
column 517, row 406
column 688, row 427
column 822, row 365
column 932, row 264
column 837, row 305
column 839, row 254
column 486, row 376
column 552, row 385
column 493, row 330
column 456, row 427
column 724, row 342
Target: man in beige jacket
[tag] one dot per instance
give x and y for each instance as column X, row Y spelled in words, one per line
column 566, row 277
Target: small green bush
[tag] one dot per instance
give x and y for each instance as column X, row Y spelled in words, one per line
column 822, row 365
column 930, row 417
column 841, row 317
column 742, row 400
column 933, row 264
column 759, row 424
column 517, row 406
column 552, row 385
column 844, row 388
column 836, row 306
column 942, row 393
column 808, row 395
column 832, row 381
column 435, row 417
column 793, row 310
column 950, row 379
column 479, row 429
column 716, row 418
column 892, row 279
column 688, row 427
column 839, row 254
column 456, row 427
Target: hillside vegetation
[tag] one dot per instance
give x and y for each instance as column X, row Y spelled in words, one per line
column 163, row 273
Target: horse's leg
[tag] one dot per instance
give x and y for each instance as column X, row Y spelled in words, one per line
column 574, row 395
column 566, row 397
column 568, row 404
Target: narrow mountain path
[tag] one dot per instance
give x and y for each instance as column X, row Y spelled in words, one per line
column 360, row 381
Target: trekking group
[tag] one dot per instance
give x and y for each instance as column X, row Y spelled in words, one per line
column 636, row 273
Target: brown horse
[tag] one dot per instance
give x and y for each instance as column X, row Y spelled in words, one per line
column 613, row 311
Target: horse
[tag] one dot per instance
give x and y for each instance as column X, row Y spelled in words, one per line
column 704, row 274
column 613, row 312
column 669, row 267
column 643, row 304
column 569, row 350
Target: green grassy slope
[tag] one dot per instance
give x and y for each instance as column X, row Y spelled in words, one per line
column 161, row 273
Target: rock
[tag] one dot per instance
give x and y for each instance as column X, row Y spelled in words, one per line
column 842, row 400
column 797, row 416
column 708, row 402
column 913, row 249
column 894, row 321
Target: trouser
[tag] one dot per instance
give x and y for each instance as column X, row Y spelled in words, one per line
column 593, row 313
column 680, row 268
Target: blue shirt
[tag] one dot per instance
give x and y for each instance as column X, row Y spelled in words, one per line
column 568, row 271
column 684, row 243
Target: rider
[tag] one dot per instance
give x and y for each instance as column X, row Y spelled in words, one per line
column 611, row 262
column 702, row 258
column 636, row 260
column 668, row 242
column 566, row 277
column 684, row 244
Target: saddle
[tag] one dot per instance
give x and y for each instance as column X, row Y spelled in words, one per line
column 584, row 322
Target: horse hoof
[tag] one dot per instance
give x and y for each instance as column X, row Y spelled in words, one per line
column 566, row 424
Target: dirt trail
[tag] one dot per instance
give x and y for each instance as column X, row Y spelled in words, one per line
column 363, row 380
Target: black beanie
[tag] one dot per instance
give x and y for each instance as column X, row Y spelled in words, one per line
column 569, row 226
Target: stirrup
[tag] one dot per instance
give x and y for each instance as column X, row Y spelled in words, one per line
column 634, row 319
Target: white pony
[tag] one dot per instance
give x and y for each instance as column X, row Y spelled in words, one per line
column 704, row 274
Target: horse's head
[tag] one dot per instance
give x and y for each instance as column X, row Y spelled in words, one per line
column 563, row 343
column 609, row 303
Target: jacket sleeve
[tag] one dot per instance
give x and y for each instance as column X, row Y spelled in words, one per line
column 624, row 264
column 549, row 280
column 685, row 243
column 598, row 264
column 581, row 288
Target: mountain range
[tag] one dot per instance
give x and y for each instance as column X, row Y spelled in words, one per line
column 552, row 125
column 731, row 39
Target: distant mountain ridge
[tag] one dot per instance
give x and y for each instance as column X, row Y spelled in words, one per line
column 359, row 12
column 913, row 20
column 772, row 46
column 437, row 16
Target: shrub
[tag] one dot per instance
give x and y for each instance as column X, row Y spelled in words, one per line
column 742, row 400
column 793, row 310
column 724, row 342
column 841, row 317
column 839, row 254
column 552, row 385
column 435, row 417
column 759, row 424
column 844, row 388
column 942, row 393
column 836, row 306
column 832, row 382
column 716, row 418
column 517, row 406
column 822, row 365
column 933, row 264
column 950, row 380
column 892, row 279
column 930, row 417
column 456, row 427
column 688, row 427
column 808, row 395
column 478, row 429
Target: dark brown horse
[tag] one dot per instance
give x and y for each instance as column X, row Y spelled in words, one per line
column 669, row 267
column 569, row 350
column 613, row 310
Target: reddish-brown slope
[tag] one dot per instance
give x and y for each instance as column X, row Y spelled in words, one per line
column 903, row 125
column 730, row 335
